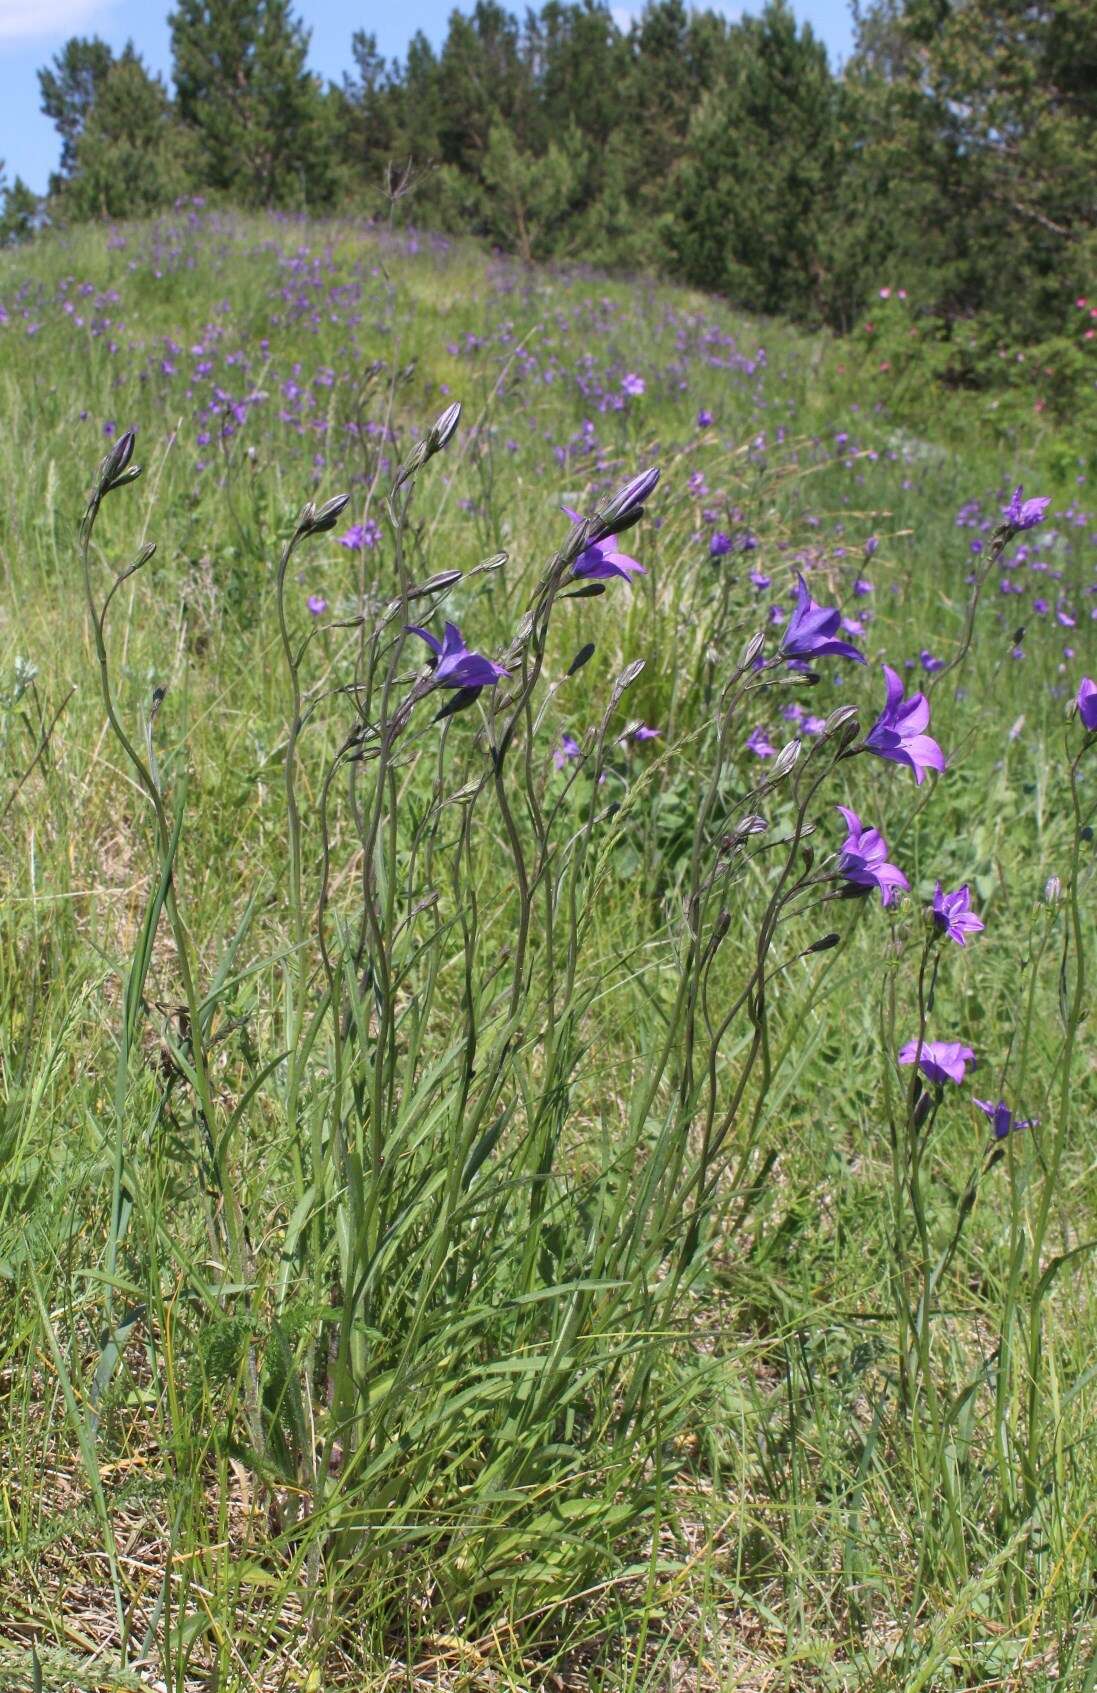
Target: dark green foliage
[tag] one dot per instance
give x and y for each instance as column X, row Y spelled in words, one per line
column 69, row 88
column 757, row 185
column 131, row 157
column 244, row 91
column 955, row 157
column 18, row 211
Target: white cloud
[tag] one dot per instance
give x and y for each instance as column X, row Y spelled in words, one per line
column 25, row 20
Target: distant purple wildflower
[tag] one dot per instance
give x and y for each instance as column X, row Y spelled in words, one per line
column 719, row 544
column 455, row 666
column 929, row 662
column 317, row 604
column 1025, row 514
column 633, row 384
column 569, row 748
column 704, row 418
column 645, row 732
column 939, row 1060
column 361, row 535
column 953, row 916
column 812, row 629
column 863, row 859
column 758, row 743
column 899, row 732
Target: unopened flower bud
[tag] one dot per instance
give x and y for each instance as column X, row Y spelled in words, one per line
column 751, row 651
column 786, row 759
column 625, row 507
column 115, row 471
column 824, row 943
column 751, row 825
column 1053, row 889
column 443, row 429
column 840, row 723
column 315, row 520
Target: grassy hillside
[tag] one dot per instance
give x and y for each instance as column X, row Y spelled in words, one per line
column 463, row 1220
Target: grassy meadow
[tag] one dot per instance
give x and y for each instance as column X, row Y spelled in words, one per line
column 463, row 1221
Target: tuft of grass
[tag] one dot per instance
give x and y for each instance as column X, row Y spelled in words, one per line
column 458, row 1225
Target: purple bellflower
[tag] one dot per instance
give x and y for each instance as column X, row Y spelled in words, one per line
column 601, row 560
column 939, row 1060
column 953, row 916
column 1087, row 703
column 863, row 861
column 454, row 665
column 1001, row 1118
column 1025, row 514
column 812, row 629
column 899, row 732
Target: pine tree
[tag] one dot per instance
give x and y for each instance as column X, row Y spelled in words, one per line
column 132, row 157
column 761, row 168
column 19, row 211
column 68, row 88
column 244, row 90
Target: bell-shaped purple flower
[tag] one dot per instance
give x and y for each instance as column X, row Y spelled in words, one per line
column 953, row 916
column 939, row 1060
column 899, row 732
column 601, row 560
column 812, row 629
column 1001, row 1118
column 863, row 859
column 1087, row 703
column 454, row 665
column 1025, row 514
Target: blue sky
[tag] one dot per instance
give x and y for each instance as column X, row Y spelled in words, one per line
column 32, row 30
